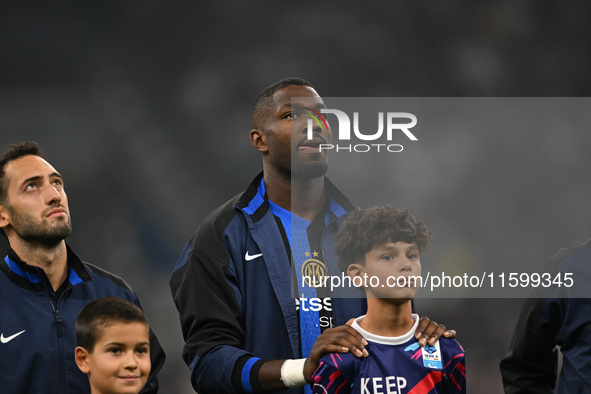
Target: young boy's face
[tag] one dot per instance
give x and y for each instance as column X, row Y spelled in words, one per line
column 392, row 263
column 120, row 360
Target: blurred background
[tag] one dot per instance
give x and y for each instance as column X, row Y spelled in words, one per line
column 144, row 107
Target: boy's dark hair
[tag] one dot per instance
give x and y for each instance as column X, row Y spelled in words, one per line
column 104, row 312
column 262, row 101
column 15, row 151
column 366, row 228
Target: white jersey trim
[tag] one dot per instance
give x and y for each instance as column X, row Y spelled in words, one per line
column 387, row 340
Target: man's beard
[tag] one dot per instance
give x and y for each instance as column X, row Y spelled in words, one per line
column 309, row 170
column 31, row 231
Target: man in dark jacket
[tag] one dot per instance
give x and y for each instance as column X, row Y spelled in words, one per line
column 557, row 314
column 245, row 329
column 43, row 284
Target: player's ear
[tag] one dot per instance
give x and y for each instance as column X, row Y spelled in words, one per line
column 4, row 216
column 81, row 355
column 258, row 140
column 355, row 270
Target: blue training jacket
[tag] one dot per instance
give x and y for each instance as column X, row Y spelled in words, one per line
column 37, row 327
column 232, row 287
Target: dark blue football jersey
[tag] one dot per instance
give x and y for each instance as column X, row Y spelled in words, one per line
column 395, row 365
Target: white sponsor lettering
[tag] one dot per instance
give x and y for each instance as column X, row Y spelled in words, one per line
column 383, row 385
column 313, row 304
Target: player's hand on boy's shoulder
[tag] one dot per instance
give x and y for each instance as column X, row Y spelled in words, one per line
column 340, row 339
column 429, row 332
column 343, row 339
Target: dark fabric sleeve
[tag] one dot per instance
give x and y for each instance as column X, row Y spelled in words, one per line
column 207, row 297
column 530, row 365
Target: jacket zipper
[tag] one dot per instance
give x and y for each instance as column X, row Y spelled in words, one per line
column 60, row 333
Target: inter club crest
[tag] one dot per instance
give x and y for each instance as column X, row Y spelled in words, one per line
column 314, row 271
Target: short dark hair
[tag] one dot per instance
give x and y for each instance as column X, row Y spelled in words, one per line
column 262, row 101
column 104, row 312
column 15, row 151
column 366, row 228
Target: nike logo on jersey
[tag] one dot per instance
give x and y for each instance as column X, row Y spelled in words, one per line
column 249, row 257
column 4, row 339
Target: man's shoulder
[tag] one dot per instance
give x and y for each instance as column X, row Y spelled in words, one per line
column 227, row 209
column 570, row 256
column 86, row 272
column 108, row 279
column 578, row 250
column 218, row 220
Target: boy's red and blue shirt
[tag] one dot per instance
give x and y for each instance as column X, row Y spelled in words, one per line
column 395, row 365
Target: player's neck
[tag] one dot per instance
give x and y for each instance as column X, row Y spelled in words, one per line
column 387, row 318
column 52, row 259
column 302, row 197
